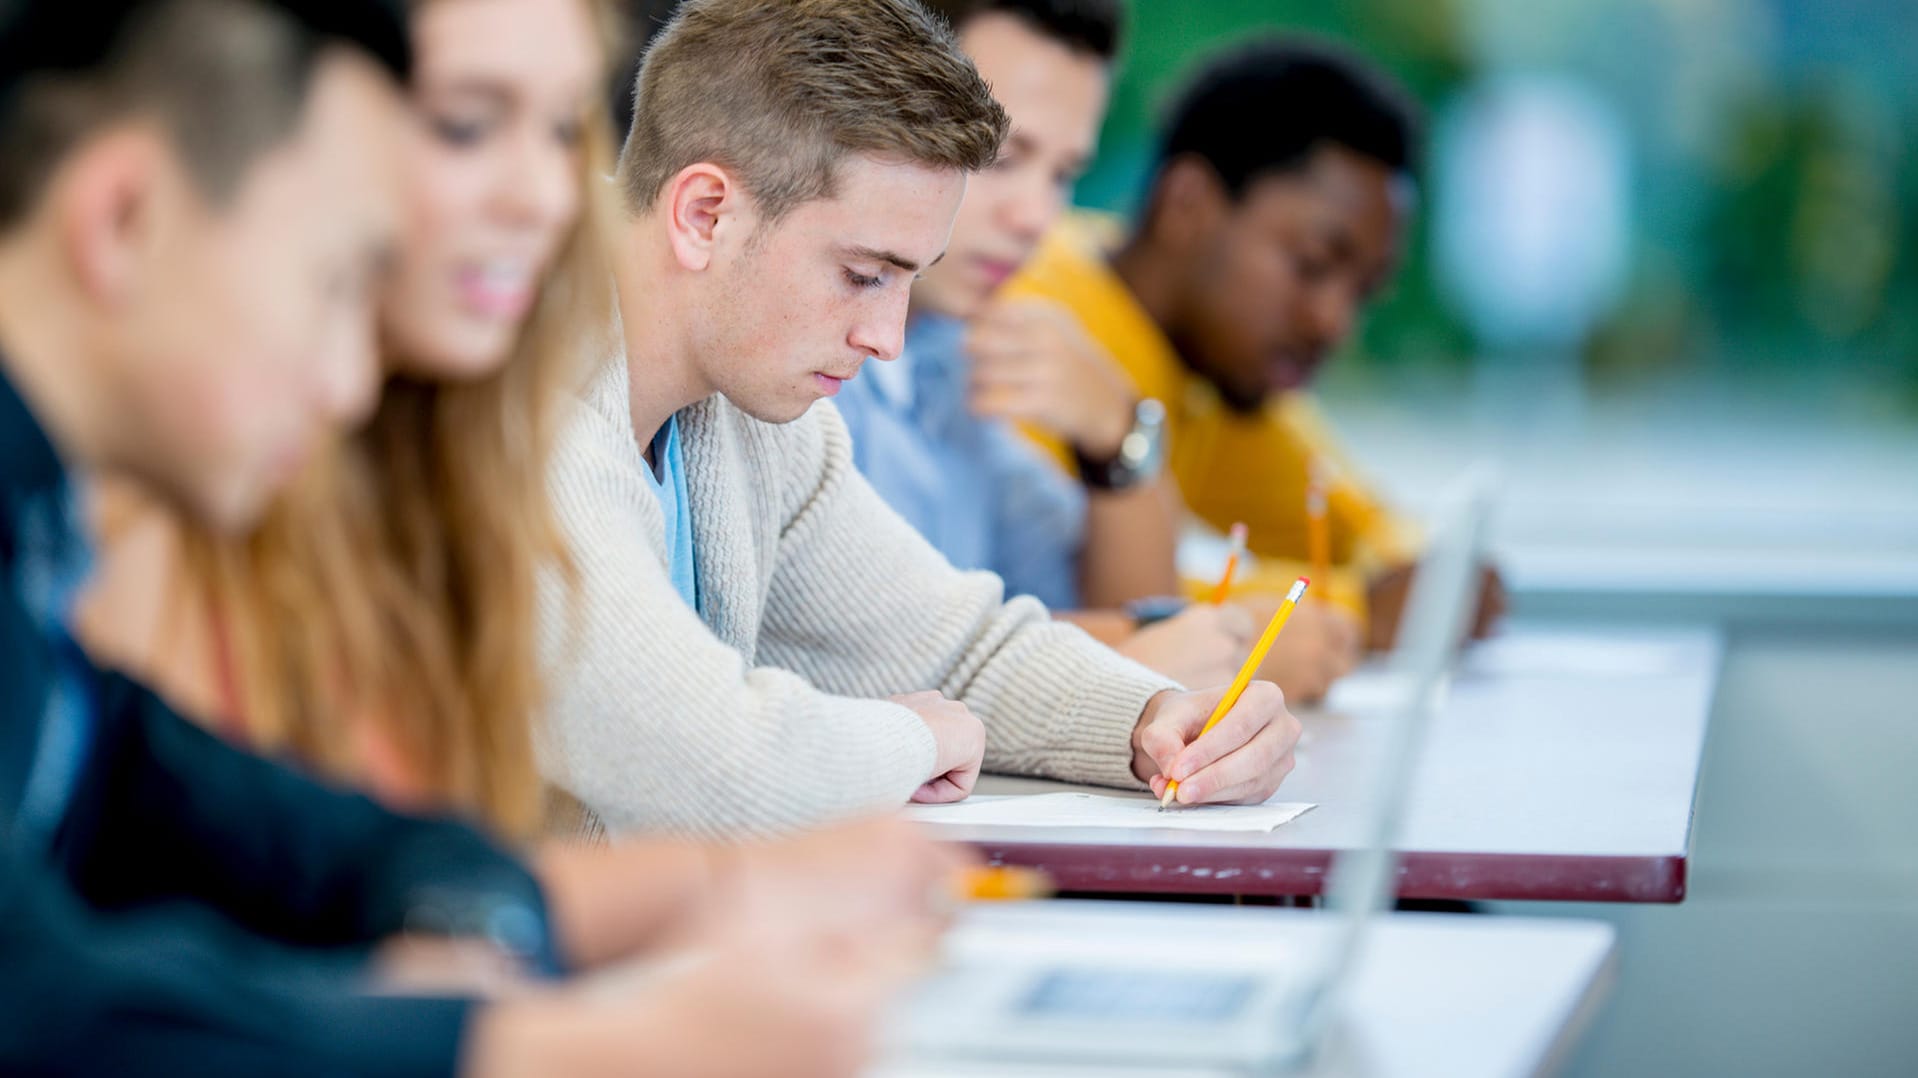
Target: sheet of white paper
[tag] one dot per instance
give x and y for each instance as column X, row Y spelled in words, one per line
column 1098, row 810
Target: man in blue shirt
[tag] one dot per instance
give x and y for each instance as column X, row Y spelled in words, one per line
column 975, row 488
column 935, row 439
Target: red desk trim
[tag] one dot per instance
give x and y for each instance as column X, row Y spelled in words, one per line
column 1284, row 872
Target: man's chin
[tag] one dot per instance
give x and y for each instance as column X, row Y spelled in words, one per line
column 778, row 413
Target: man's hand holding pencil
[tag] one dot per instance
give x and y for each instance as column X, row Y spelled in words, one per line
column 1241, row 760
column 1241, row 750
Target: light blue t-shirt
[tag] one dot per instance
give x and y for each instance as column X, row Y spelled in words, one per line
column 983, row 495
column 668, row 477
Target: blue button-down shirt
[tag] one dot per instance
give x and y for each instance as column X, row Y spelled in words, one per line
column 983, row 495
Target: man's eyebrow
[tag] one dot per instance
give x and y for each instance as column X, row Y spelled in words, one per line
column 872, row 254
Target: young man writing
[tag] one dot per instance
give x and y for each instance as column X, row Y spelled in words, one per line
column 749, row 602
column 1276, row 214
column 195, row 198
column 932, row 431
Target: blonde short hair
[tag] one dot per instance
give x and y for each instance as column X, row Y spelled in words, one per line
column 782, row 92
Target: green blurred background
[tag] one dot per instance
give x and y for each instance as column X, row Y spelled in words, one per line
column 1771, row 206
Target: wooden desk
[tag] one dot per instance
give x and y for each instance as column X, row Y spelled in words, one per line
column 1470, row 997
column 1558, row 784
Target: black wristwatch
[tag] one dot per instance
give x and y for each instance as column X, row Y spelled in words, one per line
column 1154, row 609
column 1140, row 457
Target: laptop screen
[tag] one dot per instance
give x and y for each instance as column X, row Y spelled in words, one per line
column 1158, row 995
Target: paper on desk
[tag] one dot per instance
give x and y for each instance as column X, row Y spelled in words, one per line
column 1571, row 655
column 1097, row 810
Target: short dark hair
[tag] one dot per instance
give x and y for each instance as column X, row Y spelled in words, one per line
column 1266, row 106
column 1087, row 26
column 226, row 79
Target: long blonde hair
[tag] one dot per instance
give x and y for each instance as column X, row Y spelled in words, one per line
column 398, row 578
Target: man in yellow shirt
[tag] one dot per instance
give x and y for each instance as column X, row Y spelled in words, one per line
column 1282, row 192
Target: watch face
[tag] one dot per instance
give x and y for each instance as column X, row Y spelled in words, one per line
column 1141, row 448
column 1139, row 455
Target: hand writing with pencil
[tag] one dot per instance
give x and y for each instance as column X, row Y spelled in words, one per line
column 1241, row 760
column 1240, row 750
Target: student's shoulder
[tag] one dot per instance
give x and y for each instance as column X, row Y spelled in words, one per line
column 595, row 441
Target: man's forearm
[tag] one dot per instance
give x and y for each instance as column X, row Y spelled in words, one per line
column 1131, row 545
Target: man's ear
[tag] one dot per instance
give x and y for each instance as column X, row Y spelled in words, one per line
column 704, row 206
column 1188, row 203
column 111, row 200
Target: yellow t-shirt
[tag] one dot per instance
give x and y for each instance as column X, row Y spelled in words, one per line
column 1229, row 467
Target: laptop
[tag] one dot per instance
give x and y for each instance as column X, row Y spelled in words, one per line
column 1042, row 985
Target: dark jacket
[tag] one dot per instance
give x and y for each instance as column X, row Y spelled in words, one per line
column 201, row 910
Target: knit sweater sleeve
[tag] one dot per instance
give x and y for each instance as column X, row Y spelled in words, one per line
column 860, row 604
column 655, row 723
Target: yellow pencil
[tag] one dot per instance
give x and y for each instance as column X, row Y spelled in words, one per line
column 1318, row 529
column 1224, row 587
column 1232, row 694
column 1003, row 883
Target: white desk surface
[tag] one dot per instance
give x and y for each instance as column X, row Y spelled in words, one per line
column 1555, row 783
column 1434, row 996
column 1681, row 571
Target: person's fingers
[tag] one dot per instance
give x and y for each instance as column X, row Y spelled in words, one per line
column 940, row 791
column 1251, row 771
column 1002, row 340
column 1344, row 631
column 964, row 778
column 1332, row 667
column 1162, row 743
column 1014, row 405
column 1237, row 621
column 1261, row 786
column 1220, row 673
column 1010, row 395
column 997, row 364
column 1019, row 312
column 1350, row 653
column 1253, row 711
column 1187, row 712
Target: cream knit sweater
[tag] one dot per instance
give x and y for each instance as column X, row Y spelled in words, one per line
column 764, row 711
